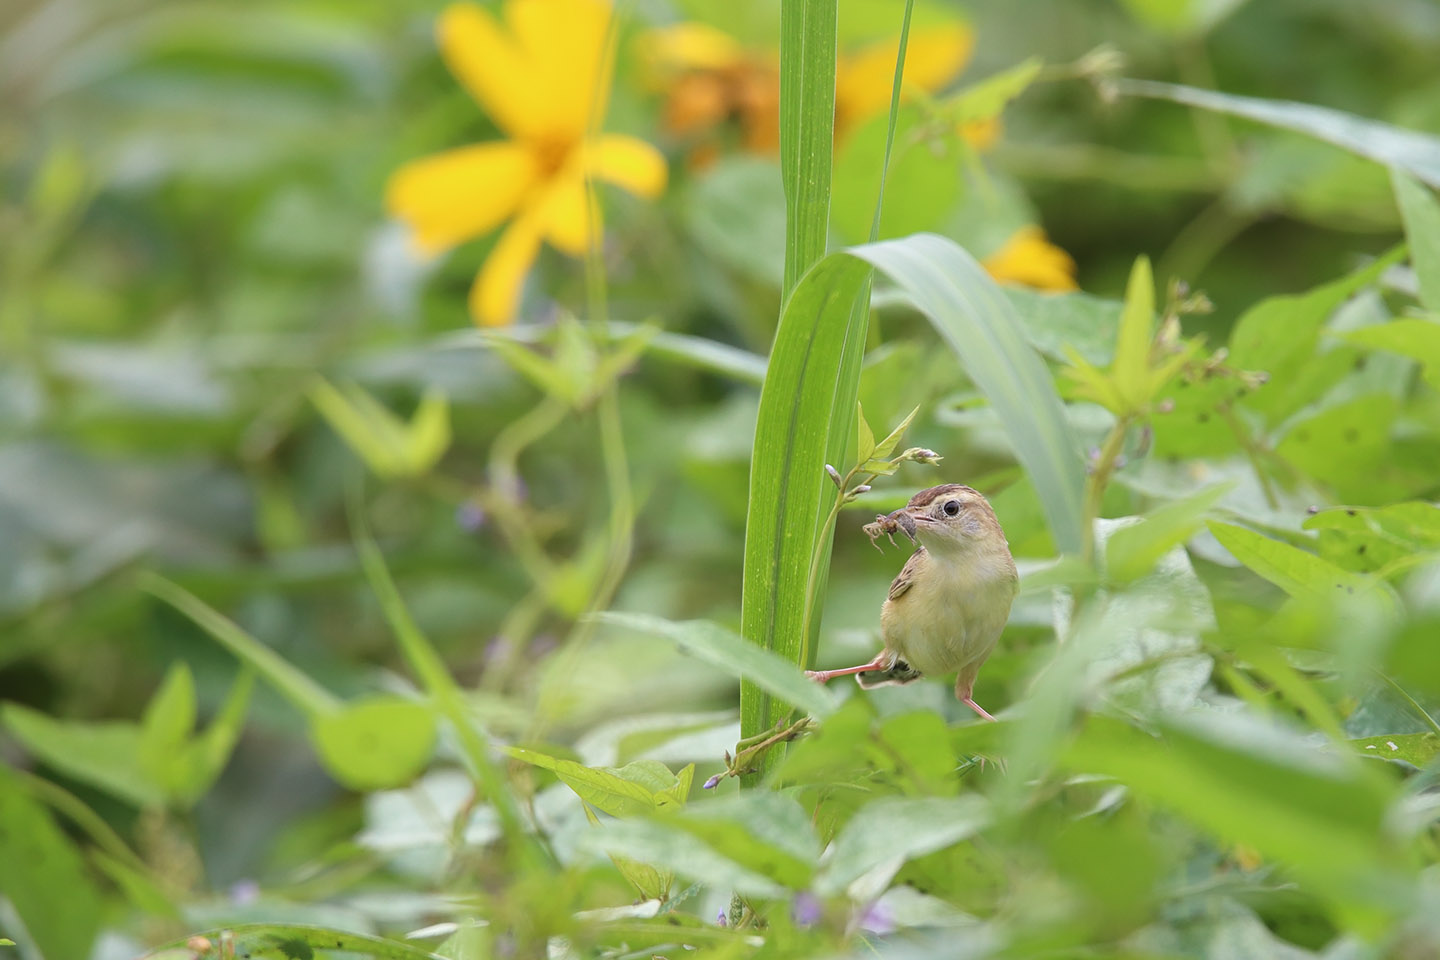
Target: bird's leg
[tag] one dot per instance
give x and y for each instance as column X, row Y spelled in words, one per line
column 977, row 708
column 965, row 692
column 881, row 662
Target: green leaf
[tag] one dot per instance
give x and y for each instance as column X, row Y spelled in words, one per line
column 866, row 443
column 649, row 882
column 44, row 876
column 1417, row 749
column 166, row 728
column 807, row 129
column 1131, row 552
column 1132, row 347
column 981, row 327
column 734, row 654
column 1298, row 573
column 1366, row 539
column 1278, row 336
column 389, row 446
column 289, row 941
column 986, row 99
column 603, row 789
column 1319, row 812
column 104, row 755
column 1058, row 323
column 896, row 829
column 765, row 832
column 666, row 845
column 1409, row 337
column 1421, row 213
column 1415, row 153
column 1346, row 446
column 892, row 440
column 532, row 365
column 376, row 743
column 208, row 753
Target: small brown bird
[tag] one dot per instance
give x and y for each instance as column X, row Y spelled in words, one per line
column 949, row 604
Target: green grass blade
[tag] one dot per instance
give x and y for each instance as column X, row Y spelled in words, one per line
column 799, row 402
column 807, row 129
column 979, row 322
column 444, row 692
column 1416, row 153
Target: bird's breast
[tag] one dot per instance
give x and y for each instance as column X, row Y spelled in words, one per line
column 952, row 614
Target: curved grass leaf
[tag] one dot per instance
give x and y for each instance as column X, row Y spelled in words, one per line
column 979, row 323
column 806, row 399
column 1417, row 154
column 719, row 647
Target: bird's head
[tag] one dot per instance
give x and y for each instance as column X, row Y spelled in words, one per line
column 950, row 517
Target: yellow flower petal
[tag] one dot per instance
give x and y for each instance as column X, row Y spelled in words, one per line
column 1029, row 259
column 626, row 162
column 565, row 213
column 564, row 209
column 933, row 58
column 538, row 80
column 496, row 291
column 453, row 196
column 565, row 42
column 688, row 46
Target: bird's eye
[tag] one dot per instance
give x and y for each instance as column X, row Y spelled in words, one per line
column 952, row 507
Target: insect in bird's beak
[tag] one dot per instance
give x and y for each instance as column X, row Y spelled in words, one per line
column 898, row 521
column 903, row 519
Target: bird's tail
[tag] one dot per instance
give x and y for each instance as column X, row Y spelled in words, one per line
column 899, row 672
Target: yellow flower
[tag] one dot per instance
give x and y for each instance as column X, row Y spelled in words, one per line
column 539, row 78
column 934, row 56
column 1029, row 259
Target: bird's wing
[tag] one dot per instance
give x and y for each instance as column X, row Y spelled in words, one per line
column 907, row 574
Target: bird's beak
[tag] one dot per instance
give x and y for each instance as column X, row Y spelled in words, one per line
column 905, row 520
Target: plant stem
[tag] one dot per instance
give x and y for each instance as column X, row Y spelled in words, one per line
column 812, row 582
column 1099, row 479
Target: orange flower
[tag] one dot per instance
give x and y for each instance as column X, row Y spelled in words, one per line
column 1029, row 259
column 539, row 80
column 710, row 79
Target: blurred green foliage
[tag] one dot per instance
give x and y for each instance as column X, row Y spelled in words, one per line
column 333, row 625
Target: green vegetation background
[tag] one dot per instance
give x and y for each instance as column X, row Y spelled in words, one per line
column 205, row 318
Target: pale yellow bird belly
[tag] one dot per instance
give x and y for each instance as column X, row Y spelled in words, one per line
column 951, row 616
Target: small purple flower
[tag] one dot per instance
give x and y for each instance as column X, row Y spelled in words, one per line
column 721, row 920
column 470, row 517
column 876, row 918
column 712, row 782
column 805, row 909
column 244, row 892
